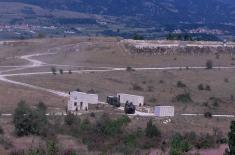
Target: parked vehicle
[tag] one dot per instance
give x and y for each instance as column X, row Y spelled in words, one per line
column 113, row 100
column 129, row 108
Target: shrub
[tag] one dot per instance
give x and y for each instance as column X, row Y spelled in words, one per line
column 183, row 98
column 137, row 37
column 70, row 71
column 151, row 130
column 28, row 121
column 150, row 88
column 231, row 138
column 131, row 140
column 91, row 91
column 137, row 87
column 226, row 80
column 53, row 70
column 106, row 126
column 1, row 130
column 42, row 107
column 179, row 145
column 61, row 71
column 78, row 90
column 205, row 142
column 152, row 100
column 181, row 84
column 209, row 64
column 208, row 88
column 5, row 142
column 92, row 114
column 161, row 81
column 129, row 69
column 70, row 119
column 208, row 115
column 200, row 87
column 52, row 148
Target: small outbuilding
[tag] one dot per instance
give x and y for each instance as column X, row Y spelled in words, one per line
column 164, row 111
column 136, row 100
column 80, row 101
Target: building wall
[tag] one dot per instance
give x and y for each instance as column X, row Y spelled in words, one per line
column 164, row 111
column 80, row 101
column 136, row 100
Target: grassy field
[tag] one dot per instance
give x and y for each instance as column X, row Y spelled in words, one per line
column 209, row 90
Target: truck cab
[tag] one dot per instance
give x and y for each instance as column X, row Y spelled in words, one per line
column 129, row 108
column 113, row 100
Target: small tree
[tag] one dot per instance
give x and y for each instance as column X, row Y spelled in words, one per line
column 1, row 130
column 231, row 139
column 53, row 70
column 61, row 71
column 70, row 71
column 208, row 88
column 208, row 115
column 70, row 119
column 129, row 69
column 28, row 121
column 209, row 64
column 180, row 84
column 151, row 130
column 42, row 107
column 200, row 87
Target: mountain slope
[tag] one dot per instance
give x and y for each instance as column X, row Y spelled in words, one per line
column 158, row 11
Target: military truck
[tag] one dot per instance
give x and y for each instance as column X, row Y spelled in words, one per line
column 129, row 108
column 113, row 100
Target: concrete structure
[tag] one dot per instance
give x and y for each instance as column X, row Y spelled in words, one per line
column 80, row 101
column 136, row 100
column 164, row 111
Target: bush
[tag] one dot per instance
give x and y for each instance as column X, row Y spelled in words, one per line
column 70, row 119
column 29, row 121
column 61, row 71
column 181, row 84
column 92, row 114
column 106, row 126
column 150, row 88
column 183, row 98
column 91, row 91
column 226, row 80
column 179, row 145
column 70, row 71
column 1, row 130
column 209, row 64
column 152, row 100
column 129, row 69
column 137, row 87
column 208, row 115
column 208, row 88
column 42, row 107
column 151, row 130
column 5, row 142
column 53, row 70
column 231, row 138
column 206, row 141
column 200, row 87
column 137, row 37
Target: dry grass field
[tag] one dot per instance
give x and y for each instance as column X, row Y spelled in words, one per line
column 159, row 87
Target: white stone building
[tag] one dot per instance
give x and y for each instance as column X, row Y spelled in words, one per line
column 80, row 101
column 137, row 101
